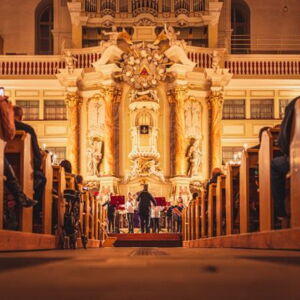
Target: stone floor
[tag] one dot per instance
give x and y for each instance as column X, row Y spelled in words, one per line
column 150, row 273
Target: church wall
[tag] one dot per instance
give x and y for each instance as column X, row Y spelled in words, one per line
column 270, row 24
column 18, row 25
column 270, row 21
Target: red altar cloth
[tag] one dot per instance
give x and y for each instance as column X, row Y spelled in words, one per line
column 161, row 201
column 118, row 201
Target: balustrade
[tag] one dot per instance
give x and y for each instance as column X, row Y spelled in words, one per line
column 239, row 65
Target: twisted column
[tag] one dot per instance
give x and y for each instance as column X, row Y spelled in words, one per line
column 73, row 103
column 108, row 161
column 180, row 95
column 215, row 102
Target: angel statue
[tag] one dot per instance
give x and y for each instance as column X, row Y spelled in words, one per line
column 69, row 59
column 172, row 35
column 194, row 158
column 111, row 51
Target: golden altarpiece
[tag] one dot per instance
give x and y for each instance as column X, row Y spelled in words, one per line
column 143, row 114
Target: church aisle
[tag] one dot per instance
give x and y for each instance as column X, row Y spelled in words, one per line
column 150, row 273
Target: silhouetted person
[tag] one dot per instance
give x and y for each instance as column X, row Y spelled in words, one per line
column 7, row 132
column 111, row 209
column 39, row 177
column 144, row 207
column 280, row 165
column 66, row 164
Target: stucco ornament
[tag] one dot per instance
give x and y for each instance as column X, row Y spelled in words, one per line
column 144, row 66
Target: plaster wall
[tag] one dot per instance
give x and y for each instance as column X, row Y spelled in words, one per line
column 274, row 22
column 17, row 26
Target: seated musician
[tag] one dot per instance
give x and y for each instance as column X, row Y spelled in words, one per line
column 280, row 165
column 39, row 178
column 11, row 182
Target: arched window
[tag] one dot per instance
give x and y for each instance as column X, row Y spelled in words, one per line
column 44, row 26
column 240, row 21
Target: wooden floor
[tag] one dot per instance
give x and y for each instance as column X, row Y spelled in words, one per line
column 150, row 273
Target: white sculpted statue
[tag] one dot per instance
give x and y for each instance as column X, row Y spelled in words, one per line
column 194, row 158
column 95, row 156
column 154, row 170
column 70, row 61
column 111, row 51
column 216, row 60
column 176, row 52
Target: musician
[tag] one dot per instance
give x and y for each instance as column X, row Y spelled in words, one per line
column 144, row 206
column 129, row 206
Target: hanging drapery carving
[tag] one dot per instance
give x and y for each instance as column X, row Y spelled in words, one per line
column 192, row 115
column 96, row 132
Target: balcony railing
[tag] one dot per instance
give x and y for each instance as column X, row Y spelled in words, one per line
column 275, row 44
column 283, row 66
column 263, row 65
column 109, row 7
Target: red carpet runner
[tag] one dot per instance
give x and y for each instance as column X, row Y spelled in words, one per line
column 148, row 240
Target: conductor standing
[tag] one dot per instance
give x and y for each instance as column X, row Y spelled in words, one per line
column 144, row 205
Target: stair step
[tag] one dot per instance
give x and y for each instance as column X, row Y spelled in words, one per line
column 147, row 240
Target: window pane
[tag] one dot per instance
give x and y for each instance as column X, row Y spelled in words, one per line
column 30, row 109
column 262, row 109
column 55, row 110
column 229, row 153
column 60, row 153
column 282, row 105
column 234, row 109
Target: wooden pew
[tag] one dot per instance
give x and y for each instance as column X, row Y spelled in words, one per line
column 203, row 214
column 268, row 150
column 248, row 190
column 220, row 206
column 211, row 209
column 192, row 226
column 92, row 216
column 2, row 145
column 197, row 218
column 47, row 197
column 19, row 154
column 70, row 181
column 295, row 169
column 232, row 190
column 59, row 183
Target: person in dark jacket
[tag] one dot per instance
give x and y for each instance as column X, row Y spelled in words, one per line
column 39, row 178
column 280, row 165
column 11, row 182
column 111, row 209
column 144, row 207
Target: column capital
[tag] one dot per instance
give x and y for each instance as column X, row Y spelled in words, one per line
column 216, row 99
column 73, row 100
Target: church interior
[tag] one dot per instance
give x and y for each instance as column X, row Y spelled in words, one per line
column 193, row 103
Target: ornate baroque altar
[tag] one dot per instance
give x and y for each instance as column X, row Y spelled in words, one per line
column 145, row 114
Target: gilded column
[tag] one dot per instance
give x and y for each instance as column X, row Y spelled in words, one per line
column 216, row 106
column 108, row 161
column 180, row 95
column 73, row 103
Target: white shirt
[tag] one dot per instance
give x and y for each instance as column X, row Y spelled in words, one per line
column 155, row 211
column 129, row 206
